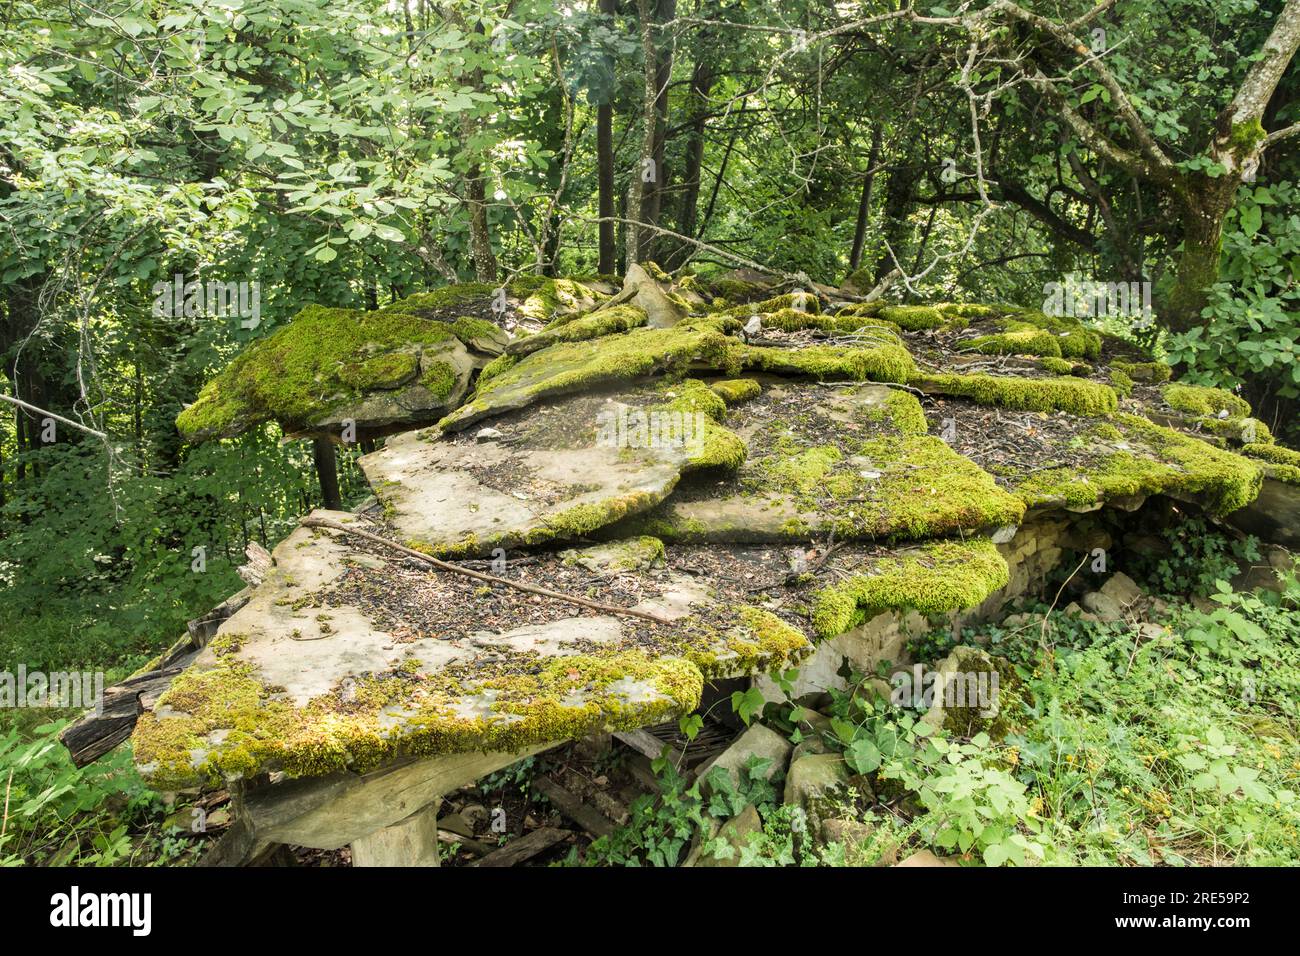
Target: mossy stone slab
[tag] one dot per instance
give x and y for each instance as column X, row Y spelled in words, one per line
column 559, row 471
column 348, row 657
column 850, row 461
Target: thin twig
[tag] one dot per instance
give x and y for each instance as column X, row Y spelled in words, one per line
column 311, row 522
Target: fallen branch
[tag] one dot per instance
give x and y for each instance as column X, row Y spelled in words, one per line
column 58, row 418
column 312, row 522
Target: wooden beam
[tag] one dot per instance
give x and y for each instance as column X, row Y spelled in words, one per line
column 525, row 848
column 409, row 842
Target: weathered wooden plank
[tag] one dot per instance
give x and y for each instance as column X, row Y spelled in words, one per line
column 644, row 742
column 572, row 806
column 409, row 842
column 332, row 811
column 525, row 848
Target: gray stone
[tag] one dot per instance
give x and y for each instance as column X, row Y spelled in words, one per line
column 758, row 741
column 737, row 832
column 1103, row 605
column 926, row 858
column 812, row 777
column 1121, row 588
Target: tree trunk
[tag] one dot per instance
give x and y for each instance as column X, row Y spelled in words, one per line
column 701, row 83
column 1206, row 205
column 653, row 201
column 636, row 193
column 322, row 453
column 864, row 204
column 605, row 172
column 898, row 204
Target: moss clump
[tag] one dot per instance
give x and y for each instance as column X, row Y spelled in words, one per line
column 803, row 302
column 716, row 447
column 566, row 367
column 618, row 318
column 1122, row 384
column 867, row 310
column 902, row 412
column 759, row 642
column 936, row 578
column 1148, row 373
column 971, row 310
column 792, row 320
column 544, row 299
column 1025, row 394
column 387, row 371
column 909, row 486
column 733, row 391
column 1060, row 366
column 1150, row 459
column 1072, row 338
column 495, row 367
column 958, row 707
column 439, row 301
column 888, row 362
column 919, row 318
column 639, row 553
column 1282, row 464
column 1028, row 340
column 296, row 375
column 1200, row 400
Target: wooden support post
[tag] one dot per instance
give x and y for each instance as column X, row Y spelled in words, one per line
column 322, row 450
column 409, row 842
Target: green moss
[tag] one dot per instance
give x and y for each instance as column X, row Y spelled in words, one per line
column 971, row 310
column 1148, row 373
column 759, row 642
column 441, row 300
column 806, row 303
column 1282, row 464
column 543, row 299
column 383, row 371
column 733, row 391
column 1074, row 338
column 889, row 362
column 904, row 413
column 1245, row 137
column 618, row 318
column 1122, row 384
column 936, row 578
column 717, row 447
column 1024, row 394
column 473, row 331
column 1200, row 400
column 1060, row 366
column 1152, row 460
column 918, row 318
column 495, row 367
column 909, row 486
column 566, row 367
column 296, row 375
column 1023, row 341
